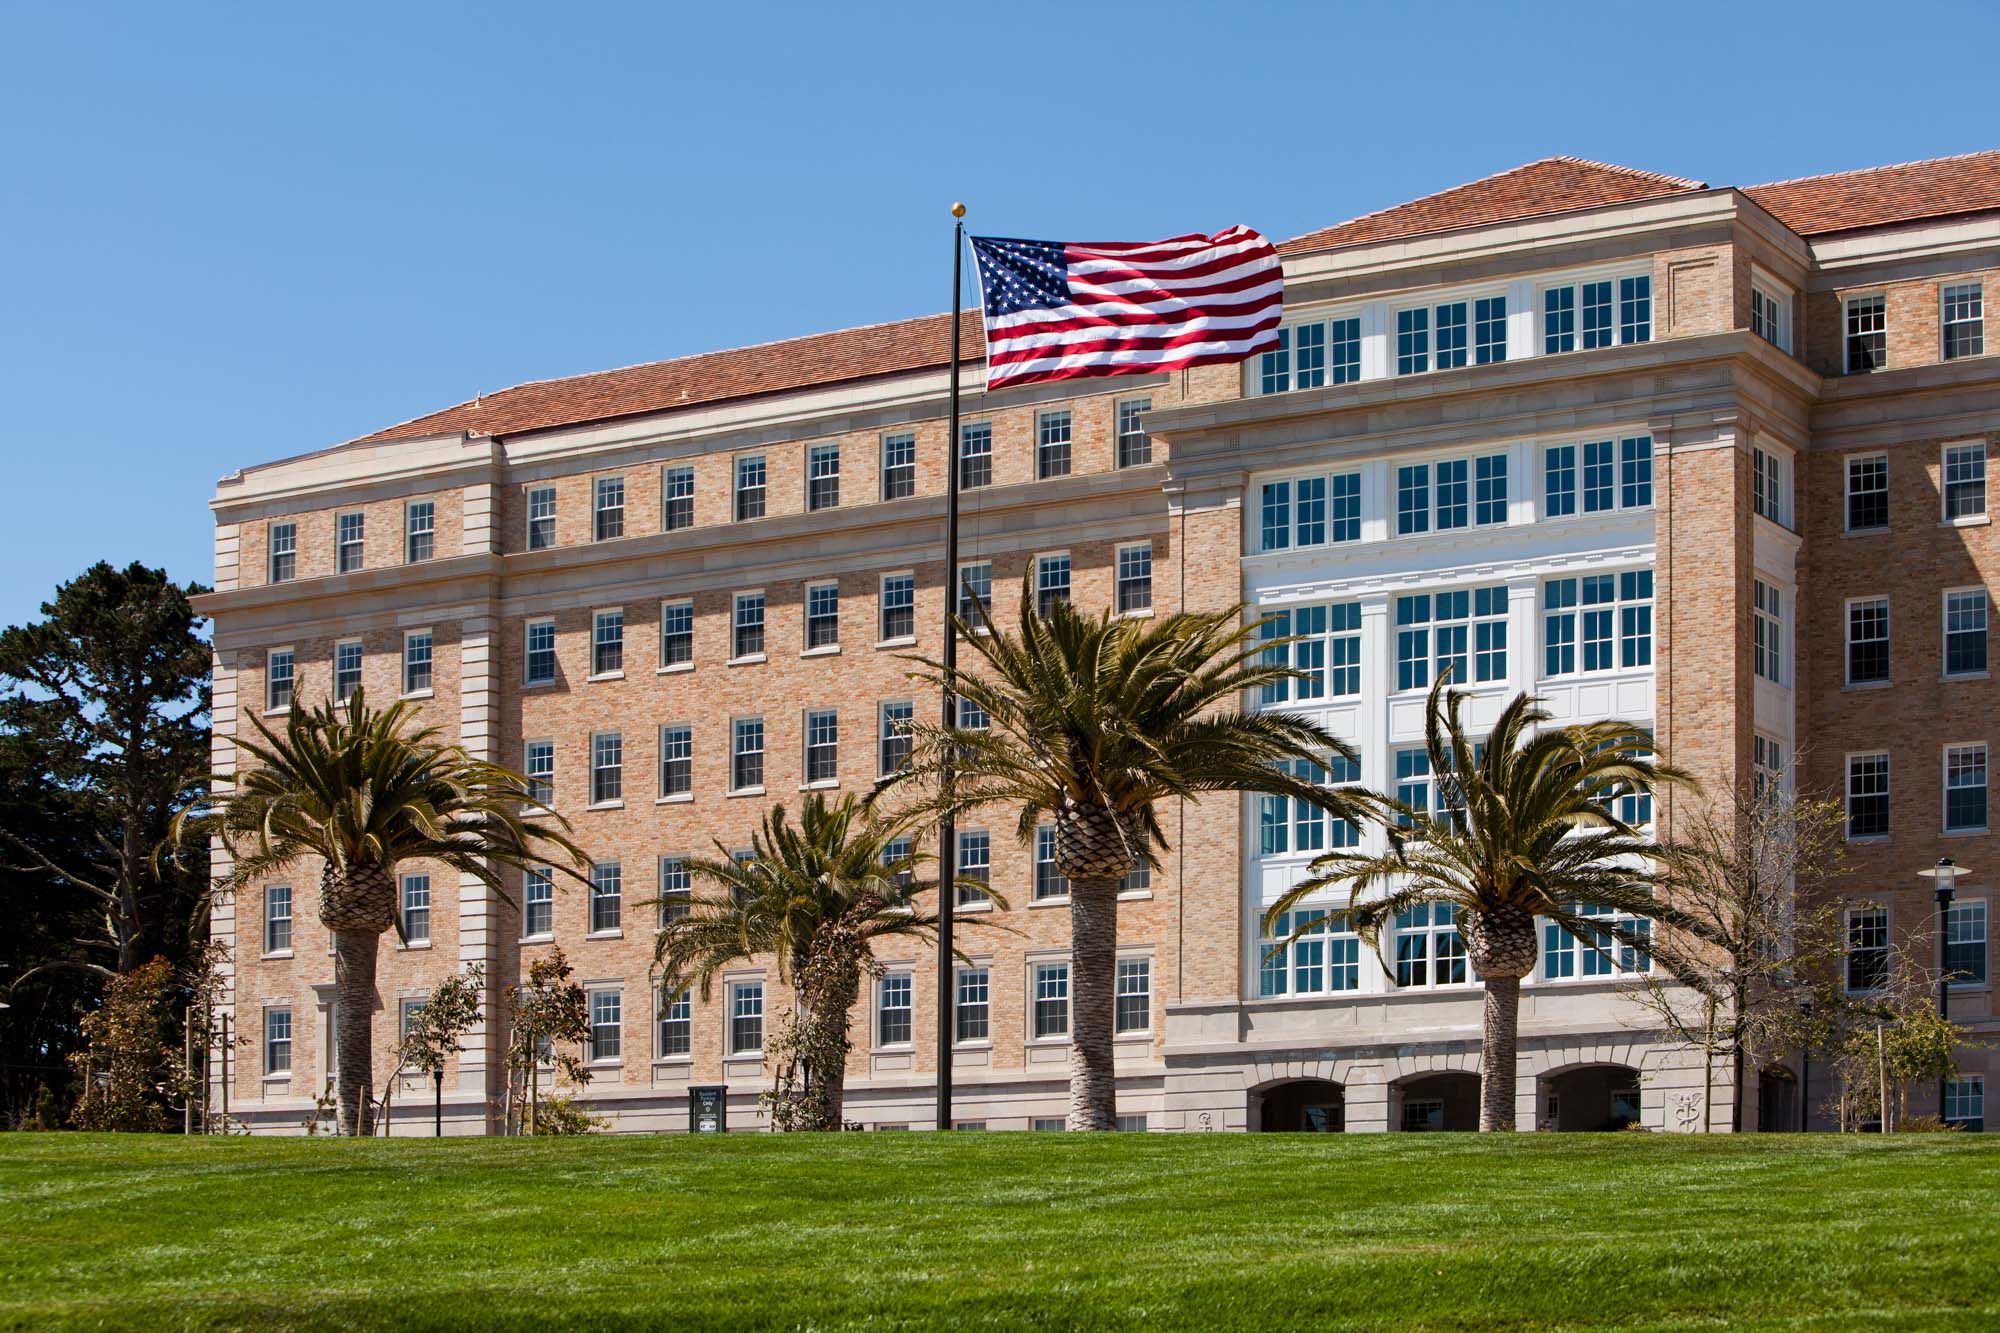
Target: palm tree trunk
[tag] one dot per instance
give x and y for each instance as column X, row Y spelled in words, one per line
column 354, row 1022
column 1496, row 1078
column 1093, row 964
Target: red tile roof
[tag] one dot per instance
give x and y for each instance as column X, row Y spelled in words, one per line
column 1874, row 197
column 1552, row 185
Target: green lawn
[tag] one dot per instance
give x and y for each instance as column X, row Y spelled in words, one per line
column 1003, row 1231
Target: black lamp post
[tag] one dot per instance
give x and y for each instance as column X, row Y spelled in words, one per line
column 437, row 1104
column 1805, row 1069
column 1943, row 876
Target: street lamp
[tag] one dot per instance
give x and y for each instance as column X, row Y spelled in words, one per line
column 437, row 1104
column 1943, row 876
column 1805, row 1067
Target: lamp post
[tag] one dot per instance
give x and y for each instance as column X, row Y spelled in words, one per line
column 1943, row 876
column 1805, row 1069
column 437, row 1102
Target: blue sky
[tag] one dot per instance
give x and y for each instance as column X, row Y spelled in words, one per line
column 231, row 235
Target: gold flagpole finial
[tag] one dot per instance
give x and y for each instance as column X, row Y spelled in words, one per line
column 958, row 210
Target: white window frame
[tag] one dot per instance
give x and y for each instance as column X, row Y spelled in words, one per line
column 272, row 1043
column 607, row 507
column 598, row 642
column 1968, row 908
column 669, row 608
column 1045, row 560
column 883, row 638
column 1848, row 794
column 1966, row 754
column 903, row 980
column 671, row 477
column 528, row 751
column 1848, row 641
column 899, row 439
column 535, row 500
column 607, row 770
column 737, row 602
column 538, row 889
column 961, row 976
column 271, row 656
column 676, row 736
column 341, row 648
column 678, row 1010
column 1037, row 970
column 616, row 996
column 819, row 730
column 737, row 752
column 429, row 639
column 528, row 678
column 1125, row 967
column 1620, row 483
column 1128, row 423
column 1847, row 304
column 818, row 471
column 739, row 492
column 1946, row 292
column 737, row 993
column 272, row 948
column 408, row 886
column 1973, row 517
column 807, row 617
column 1848, row 950
column 1848, row 492
column 342, row 544
column 1985, row 633
column 290, row 530
column 1767, row 611
column 1776, row 328
column 609, row 922
column 1122, row 582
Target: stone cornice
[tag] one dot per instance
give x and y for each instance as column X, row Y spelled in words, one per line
column 1920, row 402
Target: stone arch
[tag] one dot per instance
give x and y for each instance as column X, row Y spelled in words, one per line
column 1598, row 1092
column 1299, row 1106
column 1444, row 1097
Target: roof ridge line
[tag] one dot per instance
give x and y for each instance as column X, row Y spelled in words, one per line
column 1621, row 170
column 1865, row 171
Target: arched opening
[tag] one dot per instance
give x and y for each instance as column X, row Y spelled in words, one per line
column 1777, row 1101
column 1305, row 1106
column 1595, row 1097
column 1438, row 1102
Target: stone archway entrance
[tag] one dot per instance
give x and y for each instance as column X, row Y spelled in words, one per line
column 1595, row 1097
column 1304, row 1106
column 1438, row 1102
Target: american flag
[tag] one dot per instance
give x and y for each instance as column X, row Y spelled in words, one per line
column 1058, row 310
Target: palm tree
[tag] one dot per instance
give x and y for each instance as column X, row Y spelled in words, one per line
column 814, row 896
column 1093, row 723
column 362, row 792
column 1521, row 826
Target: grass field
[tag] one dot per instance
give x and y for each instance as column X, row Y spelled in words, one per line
column 1003, row 1231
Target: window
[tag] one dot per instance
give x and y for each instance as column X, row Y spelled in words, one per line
column 974, row 1011
column 1434, row 337
column 346, row 671
column 538, row 903
column 1324, row 959
column 676, row 1024
column 1051, row 581
column 1965, row 1102
column 1579, row 315
column 1448, row 504
column 1635, row 309
column 1768, row 655
column 1434, row 631
column 893, row 1012
column 1489, row 330
column 607, row 643
column 1867, row 493
column 1429, row 950
column 975, row 455
column 1140, row 880
column 899, row 466
column 1867, row 949
column 1313, row 511
column 1325, row 650
column 676, row 634
column 607, row 897
column 746, row 756
column 895, row 736
column 1965, row 480
column 1600, row 622
column 607, row 767
column 1868, row 641
column 1867, row 334
column 975, row 867
column 540, row 769
column 1767, row 495
column 1414, row 786
column 975, row 589
column 1133, row 1002
column 349, row 530
column 541, row 517
column 1965, row 632
column 1311, row 356
column 1771, row 317
column 407, row 1012
column 1052, row 430
column 606, row 1024
column 417, row 661
column 822, row 615
column 278, row 671
column 416, row 900
column 1767, row 762
column 1964, row 788
column 1867, row 796
column 676, row 889
column 278, row 1040
column 1051, row 1000
column 676, row 760
column 749, row 488
column 971, row 717
column 822, row 745
column 1614, row 475
column 822, row 477
column 746, row 1018
column 1135, row 578
column 1049, row 882
column 1965, row 942
column 1135, row 447
column 899, row 607
column 608, row 511
column 284, row 552
column 677, row 497
column 747, row 628
column 1598, row 953
column 898, row 852
column 277, row 918
column 1287, row 825
column 539, row 659
column 419, row 531
column 1962, row 313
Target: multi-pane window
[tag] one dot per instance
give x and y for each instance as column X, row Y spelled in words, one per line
column 1635, row 309
column 1051, row 581
column 1964, row 788
column 1132, row 1009
column 676, row 760
column 1489, row 489
column 1965, row 942
column 822, row 732
column 1489, row 330
column 607, row 767
column 349, row 534
column 417, row 909
column 284, row 552
column 1599, row 622
column 539, row 654
column 895, row 736
column 1867, row 948
column 1434, row 337
column 607, row 643
column 1442, row 495
column 1139, row 880
column 746, row 754
column 1286, row 825
column 975, row 455
column 822, row 615
column 1429, row 949
column 1580, row 315
column 1135, row 577
column 1867, row 492
column 1415, row 785
column 279, row 669
column 1962, row 315
column 822, row 477
column 417, row 650
column 899, row 852
column 973, row 1014
column 606, row 1024
column 1868, row 795
column 1867, row 338
column 974, row 866
column 747, row 625
column 676, row 634
column 746, row 1017
column 1771, row 318
column 1052, row 443
column 1135, row 447
column 1313, row 511
column 278, row 1040
column 1464, row 630
column 541, row 517
column 1767, row 493
column 749, row 487
column 1051, row 1000
column 1965, row 632
column 1768, row 631
column 539, row 767
column 1324, row 959
column 346, row 670
column 676, row 889
column 608, row 509
column 538, row 902
column 1049, row 882
column 894, row 1011
column 677, row 497
column 419, row 531
column 607, row 896
column 1597, row 475
column 1325, row 650
column 1767, row 765
column 899, row 606
column 1868, row 641
column 1965, row 480
column 1965, row 1102
column 899, row 466
column 277, row 918
column 975, row 589
column 676, row 1024
column 1599, row 952
column 1311, row 356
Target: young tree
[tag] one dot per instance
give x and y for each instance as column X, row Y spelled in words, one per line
column 548, row 1023
column 436, row 1029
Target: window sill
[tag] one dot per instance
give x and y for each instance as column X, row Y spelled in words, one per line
column 606, row 805
column 1979, row 832
column 603, row 675
column 893, row 1048
column 1965, row 675
column 824, row 650
column 547, row 937
column 413, row 946
column 538, row 684
column 1133, row 1038
column 1135, row 896
column 617, row 934
column 1869, row 840
column 277, row 954
column 900, row 641
column 673, row 668
column 278, row 712
column 1864, row 532
column 823, row 784
column 1142, row 613
column 673, row 1061
column 613, row 1063
column 986, row 906
column 985, row 1045
column 1062, row 901
column 1048, row 1042
column 1863, row 684
column 744, row 791
column 1968, row 521
column 417, row 694
column 748, row 659
column 745, row 1057
column 277, row 1078
column 679, row 798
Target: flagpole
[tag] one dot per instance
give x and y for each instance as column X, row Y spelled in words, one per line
column 948, row 826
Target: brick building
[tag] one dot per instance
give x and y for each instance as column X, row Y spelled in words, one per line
column 1710, row 458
